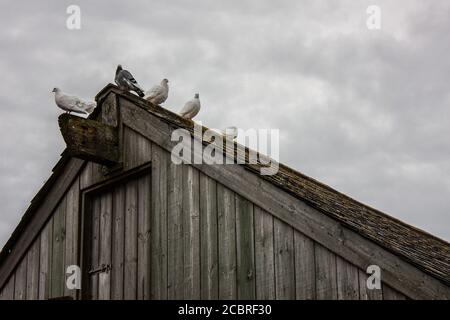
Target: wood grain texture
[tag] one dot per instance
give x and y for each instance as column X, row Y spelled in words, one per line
column 264, row 255
column 57, row 279
column 175, row 273
column 347, row 280
column 159, row 224
column 392, row 294
column 137, row 149
column 208, row 238
column 191, row 232
column 86, row 178
column 144, row 238
column 284, row 261
column 326, row 283
column 130, row 268
column 39, row 212
column 226, row 209
column 20, row 281
column 33, row 271
column 118, row 243
column 245, row 249
column 104, row 278
column 8, row 289
column 305, row 269
column 90, row 140
column 72, row 231
column 44, row 259
column 110, row 112
column 95, row 246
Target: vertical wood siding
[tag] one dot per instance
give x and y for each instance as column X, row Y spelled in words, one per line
column 175, row 233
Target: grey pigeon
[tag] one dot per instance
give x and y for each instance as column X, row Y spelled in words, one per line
column 71, row 103
column 191, row 108
column 159, row 93
column 125, row 80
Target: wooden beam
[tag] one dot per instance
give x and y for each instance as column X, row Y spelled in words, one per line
column 90, row 140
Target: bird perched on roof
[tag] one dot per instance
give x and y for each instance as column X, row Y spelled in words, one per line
column 230, row 133
column 158, row 93
column 125, row 80
column 71, row 103
column 191, row 108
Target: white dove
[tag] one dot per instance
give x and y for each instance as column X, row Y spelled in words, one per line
column 230, row 133
column 71, row 103
column 159, row 93
column 191, row 108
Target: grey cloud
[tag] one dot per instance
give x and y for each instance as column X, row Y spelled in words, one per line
column 364, row 111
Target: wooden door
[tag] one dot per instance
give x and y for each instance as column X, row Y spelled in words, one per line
column 117, row 240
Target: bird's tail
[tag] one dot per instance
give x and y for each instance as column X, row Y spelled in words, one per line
column 139, row 91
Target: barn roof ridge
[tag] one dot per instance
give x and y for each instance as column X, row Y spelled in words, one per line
column 418, row 247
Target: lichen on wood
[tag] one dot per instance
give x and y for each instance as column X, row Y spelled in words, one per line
column 89, row 139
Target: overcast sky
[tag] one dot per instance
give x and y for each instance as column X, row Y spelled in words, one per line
column 364, row 111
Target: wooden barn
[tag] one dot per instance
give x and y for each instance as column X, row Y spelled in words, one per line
column 142, row 227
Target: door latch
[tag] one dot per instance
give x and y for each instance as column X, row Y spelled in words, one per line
column 100, row 269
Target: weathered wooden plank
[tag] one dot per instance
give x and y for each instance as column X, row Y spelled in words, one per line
column 144, row 237
column 130, row 267
column 191, row 228
column 130, row 145
column 98, row 172
column 366, row 293
column 305, row 277
column 159, row 224
column 86, row 176
column 20, row 282
column 137, row 149
column 57, row 280
column 40, row 217
column 392, row 294
column 144, row 149
column 8, row 289
column 72, row 229
column 264, row 255
column 104, row 278
column 90, row 140
column 44, row 259
column 208, row 238
column 110, row 112
column 33, row 270
column 175, row 232
column 245, row 249
column 312, row 223
column 227, row 242
column 95, row 245
column 284, row 261
column 347, row 280
column 118, row 241
column 326, row 283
